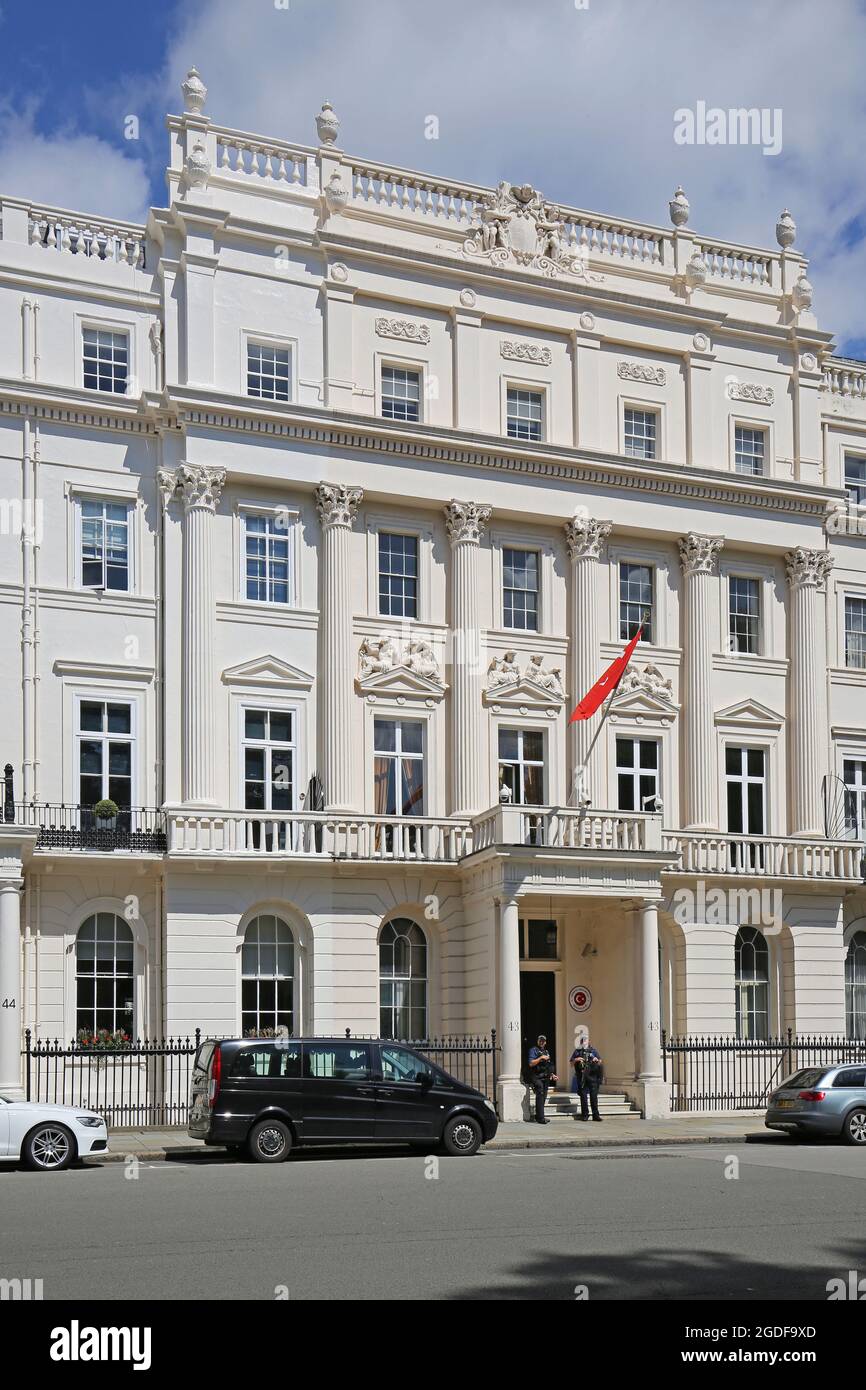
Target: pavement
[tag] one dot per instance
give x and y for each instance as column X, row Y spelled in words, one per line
column 613, row 1132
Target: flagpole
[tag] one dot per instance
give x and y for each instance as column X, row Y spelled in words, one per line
column 605, row 712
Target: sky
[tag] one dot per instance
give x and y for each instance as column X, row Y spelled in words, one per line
column 578, row 97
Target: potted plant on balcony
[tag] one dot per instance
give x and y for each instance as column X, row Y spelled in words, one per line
column 105, row 814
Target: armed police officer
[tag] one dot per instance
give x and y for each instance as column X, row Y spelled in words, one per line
column 540, row 1076
column 588, row 1075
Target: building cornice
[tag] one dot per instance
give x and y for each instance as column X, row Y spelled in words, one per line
column 595, row 468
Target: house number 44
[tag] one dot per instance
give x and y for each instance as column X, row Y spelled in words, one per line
column 8, row 1004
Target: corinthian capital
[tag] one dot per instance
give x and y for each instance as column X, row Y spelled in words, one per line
column 585, row 537
column 698, row 554
column 807, row 567
column 199, row 485
column 464, row 521
column 337, row 505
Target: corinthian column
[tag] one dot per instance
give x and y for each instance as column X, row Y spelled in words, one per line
column 699, row 555
column 337, row 507
column 585, row 539
column 807, row 571
column 200, row 488
column 465, row 523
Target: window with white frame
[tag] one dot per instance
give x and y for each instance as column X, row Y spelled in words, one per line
column 520, row 589
column 104, row 559
column 855, row 632
column 636, row 589
column 401, row 393
column 398, row 769
column 855, row 479
column 524, row 414
column 105, row 357
column 105, row 757
column 854, row 777
column 269, row 753
column 640, row 432
column 752, row 984
column 104, row 958
column 750, row 448
column 267, row 558
column 267, row 977
column 269, row 371
column 855, row 987
column 398, row 575
column 403, row 980
column 744, row 613
column 746, row 785
column 637, row 774
column 521, row 765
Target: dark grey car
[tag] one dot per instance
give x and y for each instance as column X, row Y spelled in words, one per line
column 822, row 1100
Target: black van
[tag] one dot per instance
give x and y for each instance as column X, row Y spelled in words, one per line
column 266, row 1095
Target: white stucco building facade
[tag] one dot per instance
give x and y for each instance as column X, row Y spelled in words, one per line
column 327, row 494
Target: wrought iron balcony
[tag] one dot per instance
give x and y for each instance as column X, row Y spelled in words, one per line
column 135, row 829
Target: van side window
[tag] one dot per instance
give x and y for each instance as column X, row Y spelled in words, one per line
column 398, row 1064
column 337, row 1061
column 267, row 1059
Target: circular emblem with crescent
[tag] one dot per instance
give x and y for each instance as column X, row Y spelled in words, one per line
column 580, row 998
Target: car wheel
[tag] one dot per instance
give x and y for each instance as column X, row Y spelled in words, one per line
column 854, row 1128
column 462, row 1136
column 49, row 1147
column 270, row 1141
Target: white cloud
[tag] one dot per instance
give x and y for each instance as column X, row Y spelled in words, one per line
column 69, row 169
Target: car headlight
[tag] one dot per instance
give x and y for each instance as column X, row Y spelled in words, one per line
column 89, row 1121
column 490, row 1105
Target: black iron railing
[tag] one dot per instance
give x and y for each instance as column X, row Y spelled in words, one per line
column 143, row 1083
column 146, row 1082
column 139, row 829
column 718, row 1072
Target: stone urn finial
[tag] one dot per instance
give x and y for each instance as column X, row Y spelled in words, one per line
column 194, row 92
column 679, row 208
column 197, row 168
column 801, row 294
column 696, row 270
column 336, row 193
column 786, row 230
column 327, row 124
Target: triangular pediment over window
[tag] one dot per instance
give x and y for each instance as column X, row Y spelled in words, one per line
column 522, row 694
column 268, row 670
column 400, row 682
column 750, row 714
column 644, row 705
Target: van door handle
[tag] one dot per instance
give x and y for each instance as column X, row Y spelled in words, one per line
column 384, row 1091
column 366, row 1091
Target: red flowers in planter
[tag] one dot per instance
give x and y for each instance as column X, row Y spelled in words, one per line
column 103, row 1038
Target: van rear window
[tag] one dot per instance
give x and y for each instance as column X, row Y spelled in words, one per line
column 203, row 1056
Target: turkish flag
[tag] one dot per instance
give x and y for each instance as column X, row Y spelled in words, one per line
column 606, row 683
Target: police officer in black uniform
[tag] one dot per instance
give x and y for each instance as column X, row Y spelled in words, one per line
column 540, row 1076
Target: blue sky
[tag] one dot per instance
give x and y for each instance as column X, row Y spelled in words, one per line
column 575, row 96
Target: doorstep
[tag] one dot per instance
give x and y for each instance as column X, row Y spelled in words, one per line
column 614, row 1131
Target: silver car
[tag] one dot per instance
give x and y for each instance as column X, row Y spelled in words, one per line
column 822, row 1100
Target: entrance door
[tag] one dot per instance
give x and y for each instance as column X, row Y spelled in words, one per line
column 538, row 1011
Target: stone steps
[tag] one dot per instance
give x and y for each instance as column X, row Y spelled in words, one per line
column 564, row 1105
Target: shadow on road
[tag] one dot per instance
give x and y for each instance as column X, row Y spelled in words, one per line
column 688, row 1275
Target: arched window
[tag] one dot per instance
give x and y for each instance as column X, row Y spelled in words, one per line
column 752, row 984
column 402, row 980
column 104, row 952
column 267, row 977
column 855, row 986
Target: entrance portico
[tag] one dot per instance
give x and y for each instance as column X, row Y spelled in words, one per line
column 577, row 938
